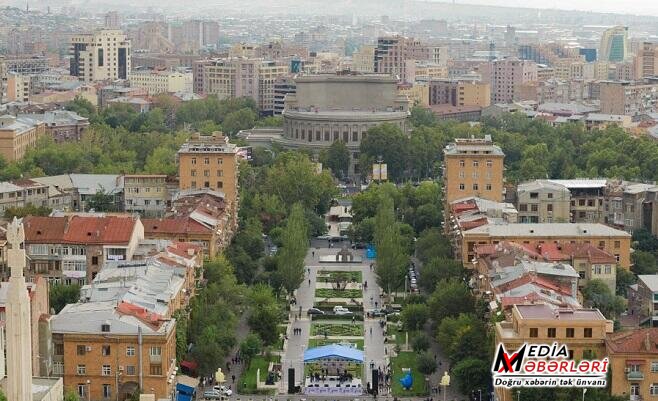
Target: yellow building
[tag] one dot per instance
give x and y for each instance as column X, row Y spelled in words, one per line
column 156, row 82
column 616, row 242
column 633, row 359
column 363, row 60
column 102, row 55
column 17, row 135
column 18, row 87
column 583, row 331
column 417, row 93
column 473, row 167
column 209, row 162
column 145, row 194
column 474, row 94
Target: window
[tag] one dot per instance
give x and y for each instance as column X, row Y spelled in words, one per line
column 220, row 184
column 59, row 348
column 106, row 370
column 105, row 351
column 193, row 184
column 206, row 160
column 489, row 163
column 94, row 260
column 39, row 249
column 617, row 244
column 155, row 351
column 220, row 160
column 551, row 332
column 587, row 332
column 488, row 187
column 534, row 332
column 654, row 389
column 81, row 390
column 81, row 349
column 155, row 370
column 130, row 370
column 193, row 173
column 130, row 350
column 549, row 207
column 534, row 207
column 608, row 269
column 475, row 187
column 549, row 195
column 476, row 163
column 206, row 173
column 107, row 391
column 523, row 207
column 654, row 366
column 220, row 173
column 82, row 369
column 194, row 160
column 601, row 244
column 581, row 202
column 570, row 332
column 462, row 174
column 462, row 186
column 534, row 195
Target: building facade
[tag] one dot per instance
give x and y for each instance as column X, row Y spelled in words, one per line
column 646, row 60
column 473, row 167
column 615, row 45
column 542, row 201
column 102, row 55
column 146, row 194
column 633, row 356
column 157, row 82
column 506, row 77
column 459, row 93
column 17, row 135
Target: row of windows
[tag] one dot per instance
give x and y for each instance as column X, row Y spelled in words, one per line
column 475, row 174
column 206, row 173
column 476, row 163
column 206, row 184
column 106, row 350
column 551, row 332
column 206, row 160
column 476, row 187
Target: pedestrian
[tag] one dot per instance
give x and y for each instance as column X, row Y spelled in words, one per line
column 375, row 304
column 233, row 378
column 371, row 331
column 313, row 255
column 353, row 319
column 309, row 271
column 309, row 282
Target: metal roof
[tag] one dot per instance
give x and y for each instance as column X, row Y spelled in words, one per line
column 333, row 351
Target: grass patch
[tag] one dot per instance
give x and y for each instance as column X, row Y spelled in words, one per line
column 407, row 360
column 320, row 318
column 318, row 342
column 247, row 384
column 337, row 329
column 330, row 276
column 329, row 306
column 281, row 329
column 331, row 293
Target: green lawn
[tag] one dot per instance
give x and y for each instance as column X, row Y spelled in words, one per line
column 279, row 343
column 247, row 383
column 407, row 360
column 318, row 342
column 329, row 276
column 337, row 329
column 331, row 293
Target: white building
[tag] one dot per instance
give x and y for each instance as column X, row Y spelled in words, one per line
column 102, row 55
column 156, row 82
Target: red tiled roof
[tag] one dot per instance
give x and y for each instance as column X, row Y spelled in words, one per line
column 152, row 319
column 636, row 341
column 79, row 229
column 181, row 249
column 174, row 225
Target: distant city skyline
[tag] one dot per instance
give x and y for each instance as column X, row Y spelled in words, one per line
column 645, row 7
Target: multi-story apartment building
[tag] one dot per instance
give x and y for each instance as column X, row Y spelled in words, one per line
column 587, row 199
column 628, row 98
column 22, row 193
column 26, row 65
column 416, row 70
column 646, row 60
column 572, row 69
column 243, row 77
column 615, row 242
column 73, row 249
column 583, row 331
column 156, row 82
column 543, row 201
column 473, row 167
column 61, row 125
column 459, row 93
column 102, row 55
column 18, row 88
column 363, row 60
column 17, row 135
column 146, row 194
column 615, row 46
column 392, row 52
column 506, row 77
column 198, row 75
column 106, row 351
column 643, row 299
column 283, row 86
column 209, row 162
column 633, row 357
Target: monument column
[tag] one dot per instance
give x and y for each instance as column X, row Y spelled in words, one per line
column 19, row 345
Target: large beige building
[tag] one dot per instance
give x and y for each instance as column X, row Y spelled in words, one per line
column 615, row 45
column 543, row 201
column 18, row 87
column 646, row 60
column 156, row 82
column 363, row 60
column 506, row 77
column 102, row 55
column 583, row 331
column 628, row 98
column 210, row 162
column 243, row 77
column 392, row 53
column 459, row 93
column 17, row 135
column 473, row 167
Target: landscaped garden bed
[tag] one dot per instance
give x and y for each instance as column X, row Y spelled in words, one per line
column 332, row 293
column 346, row 329
column 318, row 342
column 330, row 276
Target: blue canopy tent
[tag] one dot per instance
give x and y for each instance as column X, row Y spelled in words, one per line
column 333, row 352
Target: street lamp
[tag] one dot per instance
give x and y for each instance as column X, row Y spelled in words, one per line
column 480, row 394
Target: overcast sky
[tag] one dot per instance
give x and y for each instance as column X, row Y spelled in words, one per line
column 648, row 7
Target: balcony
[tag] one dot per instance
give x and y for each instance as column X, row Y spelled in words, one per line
column 155, row 359
column 634, row 376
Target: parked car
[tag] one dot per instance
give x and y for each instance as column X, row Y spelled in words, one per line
column 212, row 395
column 314, row 311
column 377, row 313
column 342, row 311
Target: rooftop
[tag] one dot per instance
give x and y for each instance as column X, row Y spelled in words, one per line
column 581, row 183
column 548, row 230
column 473, row 146
column 643, row 341
column 544, row 311
column 650, row 280
column 333, row 351
column 79, row 229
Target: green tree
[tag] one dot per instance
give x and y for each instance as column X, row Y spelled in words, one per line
column 414, row 316
column 625, row 279
column 450, row 298
column 643, row 240
column 439, row 269
column 426, row 363
column 290, row 258
column 432, row 244
column 265, row 313
column 420, row 343
column 82, row 106
column 238, row 120
column 69, row 395
column 462, row 337
column 28, row 210
column 421, row 116
column 61, row 295
column 181, row 334
column 208, row 351
column 391, row 260
column 102, row 201
column 161, row 161
column 337, row 158
column 472, row 374
column 391, row 144
column 251, row 346
column 597, row 294
column 644, row 262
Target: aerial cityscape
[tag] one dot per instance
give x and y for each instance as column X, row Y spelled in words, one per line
column 276, row 200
